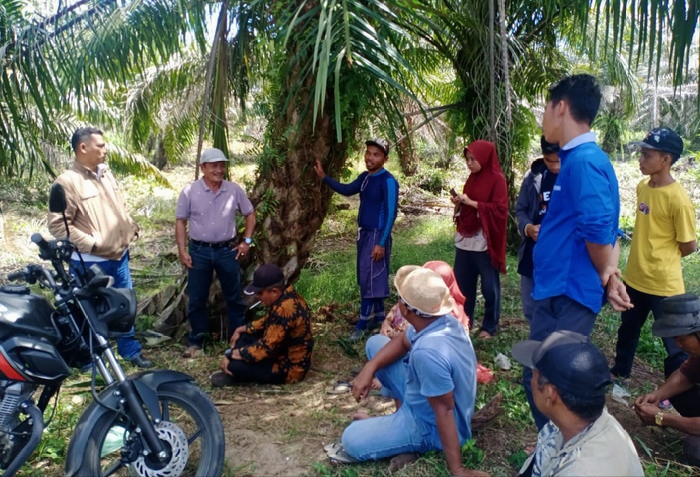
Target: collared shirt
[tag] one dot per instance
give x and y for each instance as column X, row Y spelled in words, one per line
column 441, row 360
column 285, row 337
column 98, row 221
column 212, row 215
column 584, row 207
column 602, row 448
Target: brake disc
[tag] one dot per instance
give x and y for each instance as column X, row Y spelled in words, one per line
column 179, row 453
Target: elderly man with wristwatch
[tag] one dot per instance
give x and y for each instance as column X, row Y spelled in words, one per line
column 680, row 320
column 210, row 205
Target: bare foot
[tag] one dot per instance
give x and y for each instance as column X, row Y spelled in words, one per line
column 485, row 335
column 360, row 416
column 400, row 461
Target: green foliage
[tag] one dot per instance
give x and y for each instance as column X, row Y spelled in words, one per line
column 472, row 456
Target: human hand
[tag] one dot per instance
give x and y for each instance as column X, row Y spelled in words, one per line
column 618, row 297
column 533, row 231
column 236, row 334
column 242, row 249
column 224, row 366
column 649, row 398
column 386, row 329
column 318, row 169
column 377, row 253
column 362, row 384
column 186, row 259
column 647, row 413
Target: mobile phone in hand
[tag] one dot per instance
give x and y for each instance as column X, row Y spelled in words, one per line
column 453, row 192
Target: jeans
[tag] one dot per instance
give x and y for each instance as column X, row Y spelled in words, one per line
column 205, row 261
column 386, row 436
column 631, row 324
column 550, row 315
column 128, row 346
column 468, row 267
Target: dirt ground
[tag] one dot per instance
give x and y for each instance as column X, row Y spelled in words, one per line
column 281, row 430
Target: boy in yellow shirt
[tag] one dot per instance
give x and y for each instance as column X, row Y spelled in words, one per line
column 664, row 231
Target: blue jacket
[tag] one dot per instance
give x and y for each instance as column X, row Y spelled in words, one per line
column 585, row 206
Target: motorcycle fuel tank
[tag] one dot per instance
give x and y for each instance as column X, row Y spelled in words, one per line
column 24, row 313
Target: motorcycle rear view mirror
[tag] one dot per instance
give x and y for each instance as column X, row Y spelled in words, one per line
column 57, row 198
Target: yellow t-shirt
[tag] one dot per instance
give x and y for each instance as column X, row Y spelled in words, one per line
column 665, row 217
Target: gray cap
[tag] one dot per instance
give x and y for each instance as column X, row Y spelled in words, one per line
column 680, row 316
column 212, row 155
column 382, row 144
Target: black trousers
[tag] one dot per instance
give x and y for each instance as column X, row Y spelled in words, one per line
column 631, row 327
column 260, row 372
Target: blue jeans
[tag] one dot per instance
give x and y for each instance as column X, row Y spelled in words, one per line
column 205, row 261
column 128, row 346
column 386, row 436
column 469, row 266
column 550, row 315
column 631, row 324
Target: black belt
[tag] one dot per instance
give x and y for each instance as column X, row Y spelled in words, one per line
column 226, row 243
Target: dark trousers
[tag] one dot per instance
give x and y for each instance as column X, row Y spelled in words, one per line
column 260, row 372
column 631, row 327
column 469, row 266
column 206, row 261
column 550, row 315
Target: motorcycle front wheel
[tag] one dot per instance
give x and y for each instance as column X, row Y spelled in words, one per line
column 191, row 429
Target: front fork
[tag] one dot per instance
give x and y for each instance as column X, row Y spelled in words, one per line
column 131, row 400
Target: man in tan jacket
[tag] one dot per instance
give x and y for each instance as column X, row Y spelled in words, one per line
column 98, row 222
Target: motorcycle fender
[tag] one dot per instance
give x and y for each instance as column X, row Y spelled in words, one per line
column 146, row 383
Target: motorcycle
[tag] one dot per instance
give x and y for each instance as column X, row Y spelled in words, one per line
column 150, row 424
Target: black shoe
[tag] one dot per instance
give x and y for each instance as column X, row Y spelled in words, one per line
column 141, row 362
column 375, row 324
column 220, row 379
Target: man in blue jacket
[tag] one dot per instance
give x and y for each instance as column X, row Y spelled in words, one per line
column 576, row 252
column 379, row 196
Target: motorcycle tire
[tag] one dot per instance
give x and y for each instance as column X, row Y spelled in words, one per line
column 191, row 428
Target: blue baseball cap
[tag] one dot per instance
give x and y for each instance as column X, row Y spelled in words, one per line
column 662, row 139
column 569, row 361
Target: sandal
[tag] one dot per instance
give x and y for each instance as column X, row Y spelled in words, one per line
column 340, row 387
column 192, row 351
column 337, row 454
column 485, row 335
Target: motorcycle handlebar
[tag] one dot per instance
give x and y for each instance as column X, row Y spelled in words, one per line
column 32, row 273
column 18, row 275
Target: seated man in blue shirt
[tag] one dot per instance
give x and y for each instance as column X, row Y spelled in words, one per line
column 429, row 370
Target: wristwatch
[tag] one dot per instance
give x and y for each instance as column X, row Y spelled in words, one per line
column 659, row 419
column 248, row 240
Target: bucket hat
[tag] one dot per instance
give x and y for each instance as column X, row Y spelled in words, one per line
column 680, row 315
column 424, row 290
